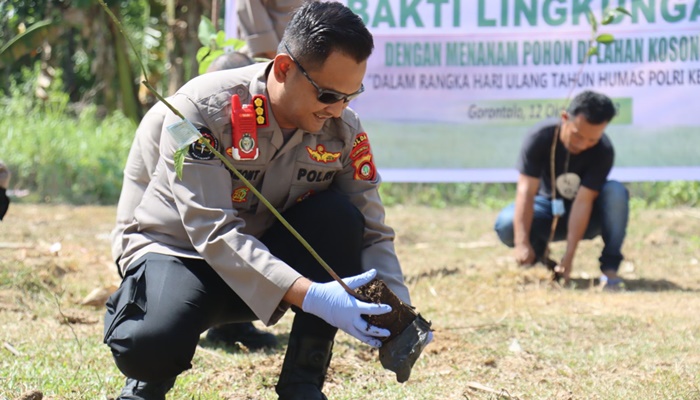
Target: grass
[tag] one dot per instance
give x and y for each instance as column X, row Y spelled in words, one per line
column 495, row 324
column 58, row 152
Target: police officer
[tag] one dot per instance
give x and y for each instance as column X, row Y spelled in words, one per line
column 5, row 176
column 202, row 250
column 140, row 165
column 261, row 24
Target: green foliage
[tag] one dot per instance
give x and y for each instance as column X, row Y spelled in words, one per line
column 609, row 16
column 493, row 196
column 60, row 154
column 441, row 195
column 213, row 44
column 179, row 160
column 27, row 42
column 666, row 194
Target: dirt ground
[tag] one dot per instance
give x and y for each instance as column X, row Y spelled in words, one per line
column 500, row 331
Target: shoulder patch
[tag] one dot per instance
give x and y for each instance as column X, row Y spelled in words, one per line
column 199, row 151
column 362, row 160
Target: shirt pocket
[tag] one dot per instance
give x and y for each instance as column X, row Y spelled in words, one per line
column 310, row 178
column 242, row 198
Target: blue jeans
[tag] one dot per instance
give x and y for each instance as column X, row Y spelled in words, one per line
column 608, row 218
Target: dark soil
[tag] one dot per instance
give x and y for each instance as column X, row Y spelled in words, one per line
column 401, row 315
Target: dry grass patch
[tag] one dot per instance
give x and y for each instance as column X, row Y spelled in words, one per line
column 505, row 328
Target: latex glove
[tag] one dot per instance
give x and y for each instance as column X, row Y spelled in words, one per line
column 330, row 302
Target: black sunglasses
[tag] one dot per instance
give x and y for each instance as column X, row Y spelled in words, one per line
column 326, row 96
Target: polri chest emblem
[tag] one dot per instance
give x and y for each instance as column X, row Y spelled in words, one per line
column 321, row 155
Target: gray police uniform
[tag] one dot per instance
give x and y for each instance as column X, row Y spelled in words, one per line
column 211, row 215
column 262, row 23
column 140, row 166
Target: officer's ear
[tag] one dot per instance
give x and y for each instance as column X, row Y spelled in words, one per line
column 281, row 66
column 564, row 116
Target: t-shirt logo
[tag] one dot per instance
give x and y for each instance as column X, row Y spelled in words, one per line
column 568, row 184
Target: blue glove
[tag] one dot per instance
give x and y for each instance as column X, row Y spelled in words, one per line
column 330, row 302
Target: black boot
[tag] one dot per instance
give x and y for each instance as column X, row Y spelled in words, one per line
column 137, row 390
column 245, row 333
column 304, row 369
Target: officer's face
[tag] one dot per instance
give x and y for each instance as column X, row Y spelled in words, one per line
column 578, row 134
column 301, row 106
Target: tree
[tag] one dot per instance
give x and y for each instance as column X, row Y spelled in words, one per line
column 77, row 38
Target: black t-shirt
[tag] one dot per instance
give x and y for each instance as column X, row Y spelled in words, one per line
column 590, row 167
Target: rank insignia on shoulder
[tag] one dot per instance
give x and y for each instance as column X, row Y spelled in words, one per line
column 199, row 151
column 244, row 134
column 260, row 107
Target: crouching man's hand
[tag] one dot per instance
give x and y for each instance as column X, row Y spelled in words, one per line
column 330, row 302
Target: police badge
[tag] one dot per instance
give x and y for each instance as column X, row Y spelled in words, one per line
column 246, row 144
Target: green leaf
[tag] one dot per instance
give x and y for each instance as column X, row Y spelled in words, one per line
column 206, row 62
column 235, row 43
column 179, row 160
column 592, row 51
column 592, row 21
column 623, row 11
column 202, row 53
column 28, row 41
column 605, row 38
column 608, row 16
column 205, row 31
column 220, row 39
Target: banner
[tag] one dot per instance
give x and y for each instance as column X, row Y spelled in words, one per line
column 453, row 86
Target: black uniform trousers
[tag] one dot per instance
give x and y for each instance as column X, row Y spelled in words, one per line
column 154, row 320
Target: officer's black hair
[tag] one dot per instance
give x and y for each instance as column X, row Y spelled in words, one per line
column 597, row 108
column 319, row 27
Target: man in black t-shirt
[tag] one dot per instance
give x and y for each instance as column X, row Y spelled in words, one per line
column 591, row 204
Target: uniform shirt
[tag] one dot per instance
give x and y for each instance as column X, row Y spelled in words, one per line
column 140, row 166
column 211, row 215
column 591, row 166
column 262, row 23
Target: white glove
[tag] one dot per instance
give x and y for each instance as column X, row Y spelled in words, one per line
column 330, row 302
